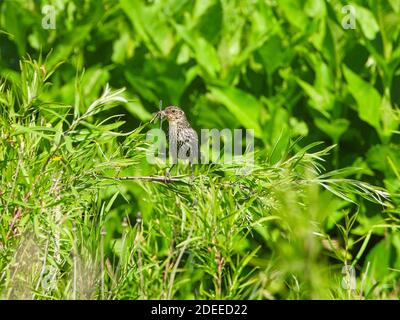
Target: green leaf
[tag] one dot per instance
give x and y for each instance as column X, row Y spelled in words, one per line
column 245, row 107
column 379, row 258
column 271, row 60
column 378, row 155
column 71, row 41
column 388, row 117
column 318, row 100
column 157, row 35
column 334, row 129
column 367, row 21
column 136, row 108
column 294, row 12
column 210, row 22
column 367, row 97
column 205, row 54
column 15, row 25
column 315, row 8
column 395, row 5
column 122, row 48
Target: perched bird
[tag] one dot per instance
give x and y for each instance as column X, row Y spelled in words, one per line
column 182, row 138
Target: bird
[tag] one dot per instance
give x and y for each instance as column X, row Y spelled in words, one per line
column 182, row 138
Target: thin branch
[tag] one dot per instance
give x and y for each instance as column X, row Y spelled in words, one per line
column 163, row 179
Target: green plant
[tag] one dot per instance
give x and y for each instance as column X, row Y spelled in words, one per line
column 70, row 228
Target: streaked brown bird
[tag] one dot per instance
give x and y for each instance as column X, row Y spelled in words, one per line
column 182, row 138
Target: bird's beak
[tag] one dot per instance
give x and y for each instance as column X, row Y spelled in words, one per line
column 159, row 115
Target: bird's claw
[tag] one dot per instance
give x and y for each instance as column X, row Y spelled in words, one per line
column 191, row 178
column 167, row 177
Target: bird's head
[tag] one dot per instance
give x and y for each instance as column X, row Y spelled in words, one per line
column 172, row 113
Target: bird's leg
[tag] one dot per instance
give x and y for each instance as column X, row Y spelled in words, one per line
column 192, row 173
column 168, row 175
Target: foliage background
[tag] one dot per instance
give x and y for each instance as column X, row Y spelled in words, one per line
column 287, row 69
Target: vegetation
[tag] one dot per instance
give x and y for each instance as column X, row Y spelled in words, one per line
column 317, row 217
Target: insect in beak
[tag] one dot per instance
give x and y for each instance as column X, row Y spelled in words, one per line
column 159, row 115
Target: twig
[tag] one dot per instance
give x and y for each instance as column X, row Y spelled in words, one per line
column 147, row 178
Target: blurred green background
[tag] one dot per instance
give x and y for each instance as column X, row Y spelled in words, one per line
column 284, row 68
column 287, row 69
